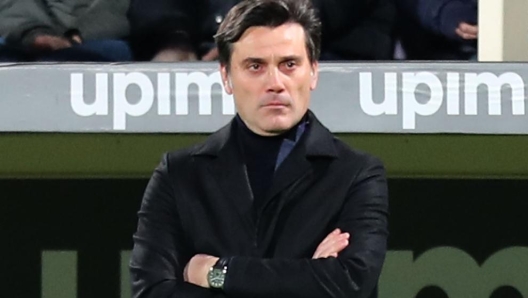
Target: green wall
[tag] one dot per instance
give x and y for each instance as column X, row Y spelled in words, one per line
column 51, row 155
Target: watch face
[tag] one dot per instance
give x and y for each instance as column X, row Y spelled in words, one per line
column 216, row 278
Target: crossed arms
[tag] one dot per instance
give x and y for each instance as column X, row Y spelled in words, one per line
column 347, row 263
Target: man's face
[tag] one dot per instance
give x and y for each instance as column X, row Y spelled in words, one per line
column 271, row 78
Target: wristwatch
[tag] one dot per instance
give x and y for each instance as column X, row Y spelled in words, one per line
column 217, row 273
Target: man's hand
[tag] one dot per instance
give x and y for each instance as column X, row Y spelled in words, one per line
column 50, row 43
column 467, row 31
column 332, row 245
column 174, row 55
column 77, row 38
column 196, row 270
column 211, row 55
column 198, row 267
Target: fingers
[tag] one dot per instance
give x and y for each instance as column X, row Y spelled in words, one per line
column 51, row 42
column 332, row 245
column 331, row 235
column 332, row 248
column 77, row 39
column 467, row 31
column 465, row 35
column 212, row 55
column 186, row 273
column 174, row 55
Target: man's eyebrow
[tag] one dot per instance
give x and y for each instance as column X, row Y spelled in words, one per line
column 291, row 57
column 258, row 60
column 249, row 60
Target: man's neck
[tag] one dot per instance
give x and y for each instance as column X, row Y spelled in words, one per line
column 288, row 134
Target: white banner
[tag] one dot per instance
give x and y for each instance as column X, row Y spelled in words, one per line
column 188, row 98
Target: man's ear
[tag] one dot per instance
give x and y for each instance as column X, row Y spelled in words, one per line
column 315, row 75
column 226, row 81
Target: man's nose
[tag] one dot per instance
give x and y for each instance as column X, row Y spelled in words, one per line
column 275, row 81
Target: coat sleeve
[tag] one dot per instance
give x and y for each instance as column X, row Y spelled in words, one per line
column 160, row 250
column 444, row 16
column 353, row 274
column 158, row 24
column 104, row 19
column 441, row 16
column 22, row 20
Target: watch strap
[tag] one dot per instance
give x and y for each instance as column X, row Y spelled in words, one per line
column 221, row 263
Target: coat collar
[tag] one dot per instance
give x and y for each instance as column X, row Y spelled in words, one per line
column 301, row 167
column 319, row 141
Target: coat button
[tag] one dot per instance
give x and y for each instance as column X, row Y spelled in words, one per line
column 219, row 19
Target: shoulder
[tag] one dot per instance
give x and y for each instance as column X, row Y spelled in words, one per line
column 202, row 151
column 176, row 159
column 321, row 141
column 356, row 159
column 365, row 174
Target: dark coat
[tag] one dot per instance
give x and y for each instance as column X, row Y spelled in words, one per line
column 427, row 28
column 442, row 16
column 358, row 29
column 188, row 24
column 22, row 20
column 199, row 201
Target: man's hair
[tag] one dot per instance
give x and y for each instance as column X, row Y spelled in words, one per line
column 268, row 13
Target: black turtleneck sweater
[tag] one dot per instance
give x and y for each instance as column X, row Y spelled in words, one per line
column 260, row 155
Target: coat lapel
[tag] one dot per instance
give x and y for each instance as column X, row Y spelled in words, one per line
column 228, row 170
column 294, row 167
column 316, row 143
column 308, row 160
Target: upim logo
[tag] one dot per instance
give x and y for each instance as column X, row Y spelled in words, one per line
column 123, row 108
column 411, row 107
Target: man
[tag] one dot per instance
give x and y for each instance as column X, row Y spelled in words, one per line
column 183, row 30
column 454, row 19
column 272, row 205
column 439, row 29
column 83, row 30
column 176, row 30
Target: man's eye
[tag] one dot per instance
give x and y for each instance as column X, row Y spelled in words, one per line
column 254, row 66
column 290, row 64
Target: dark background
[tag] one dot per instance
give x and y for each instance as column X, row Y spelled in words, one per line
column 98, row 217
